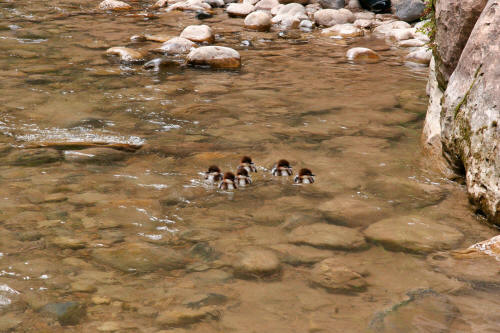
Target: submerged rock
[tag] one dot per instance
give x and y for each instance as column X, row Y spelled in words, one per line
column 198, row 33
column 176, row 45
column 215, row 57
column 300, row 255
column 422, row 56
column 126, row 54
column 343, row 30
column 185, row 316
column 327, row 236
column 333, row 276
column 95, row 155
column 414, row 234
column 362, row 54
column 67, row 313
column 33, row 157
column 259, row 20
column 114, row 5
column 256, row 262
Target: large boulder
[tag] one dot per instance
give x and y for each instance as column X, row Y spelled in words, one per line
column 470, row 114
column 215, row 57
column 455, row 20
column 330, row 17
column 409, row 10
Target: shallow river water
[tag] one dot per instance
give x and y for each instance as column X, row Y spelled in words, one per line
column 139, row 243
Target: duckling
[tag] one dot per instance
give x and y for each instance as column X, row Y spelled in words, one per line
column 213, row 174
column 282, row 168
column 305, row 176
column 228, row 182
column 246, row 162
column 243, row 179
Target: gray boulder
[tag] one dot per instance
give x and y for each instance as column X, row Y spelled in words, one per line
column 332, row 4
column 410, row 10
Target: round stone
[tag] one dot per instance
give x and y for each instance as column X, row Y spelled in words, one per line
column 334, row 277
column 239, row 9
column 126, row 54
column 215, row 57
column 422, row 55
column 256, row 262
column 343, row 30
column 362, row 54
column 331, row 17
column 259, row 20
column 176, row 45
column 114, row 5
column 198, row 33
column 327, row 236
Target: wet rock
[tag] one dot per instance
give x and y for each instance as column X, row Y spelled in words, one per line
column 300, row 255
column 68, row 243
column 411, row 43
column 332, row 4
column 343, row 30
column 203, row 15
column 95, row 155
column 239, row 9
column 327, row 236
column 87, row 198
column 189, row 5
column 215, row 3
column 331, row 17
column 198, row 33
column 364, row 24
column 83, row 287
column 266, row 4
column 160, row 4
column 114, row 5
column 109, row 326
column 334, row 277
column 490, row 247
column 409, row 10
column 126, row 54
column 139, row 257
column 202, row 300
column 33, row 157
column 99, row 300
column 414, row 234
column 67, row 313
column 161, row 63
column 364, row 15
column 401, row 34
column 422, row 56
column 256, row 262
column 215, row 57
column 161, row 38
column 354, row 211
column 421, row 308
column 362, row 54
column 9, row 322
column 290, row 13
column 259, row 20
column 185, row 316
column 386, row 28
column 306, row 26
column 176, row 45
column 352, row 4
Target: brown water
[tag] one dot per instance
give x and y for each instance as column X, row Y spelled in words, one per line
column 356, row 126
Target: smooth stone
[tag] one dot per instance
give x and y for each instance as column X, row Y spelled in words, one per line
column 386, row 28
column 109, row 326
column 343, row 30
column 292, row 12
column 156, row 38
column 327, row 236
column 87, row 198
column 95, row 155
column 99, row 300
column 239, row 9
column 189, row 5
column 160, row 4
column 258, row 20
column 414, row 234
column 401, row 34
column 9, row 322
column 256, row 262
column 198, row 33
column 83, row 287
column 250, row 2
column 332, row 4
column 331, row 17
column 333, row 276
column 114, row 5
column 215, row 57
column 362, row 23
column 33, row 157
column 409, row 10
column 67, row 313
column 300, row 255
column 266, row 4
column 176, row 45
column 126, row 54
column 411, row 43
column 185, row 316
column 364, row 15
column 139, row 257
column 421, row 56
column 362, row 54
column 489, row 247
column 68, row 243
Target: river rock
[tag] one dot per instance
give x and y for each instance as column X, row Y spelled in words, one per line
column 83, row 287
column 409, row 10
column 421, row 56
column 239, row 9
column 256, row 262
column 176, row 45
column 198, row 33
column 401, row 34
column 331, row 17
column 386, row 28
column 364, row 15
column 306, row 25
column 259, row 20
column 327, row 236
column 126, row 54
column 109, row 326
column 189, row 5
column 411, row 43
column 114, row 5
column 9, row 322
column 139, row 257
column 67, row 313
column 95, row 155
column 333, row 276
column 185, row 316
column 160, row 4
column 455, row 20
column 362, row 54
column 215, row 57
column 470, row 115
column 300, row 255
column 414, row 234
column 332, row 4
column 65, row 242
column 490, row 247
column 33, row 157
column 300, row 2
column 343, row 30
column 266, row 4
column 290, row 12
column 364, row 24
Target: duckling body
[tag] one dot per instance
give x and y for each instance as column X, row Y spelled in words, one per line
column 213, row 174
column 305, row 176
column 247, row 164
column 242, row 177
column 282, row 168
column 228, row 182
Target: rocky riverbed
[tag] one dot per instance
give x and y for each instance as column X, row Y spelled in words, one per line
column 106, row 224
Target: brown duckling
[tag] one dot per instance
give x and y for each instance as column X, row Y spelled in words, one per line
column 305, row 176
column 246, row 162
column 242, row 177
column 213, row 174
column 282, row 168
column 228, row 182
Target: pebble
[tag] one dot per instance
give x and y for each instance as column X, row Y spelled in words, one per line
column 215, row 57
column 422, row 55
column 331, row 17
column 114, row 5
column 126, row 54
column 258, row 20
column 343, row 30
column 109, row 326
column 98, row 300
column 69, row 243
column 362, row 54
column 239, row 9
column 198, row 33
column 334, row 277
column 327, row 236
column 414, row 234
column 83, row 287
column 176, row 45
column 256, row 262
